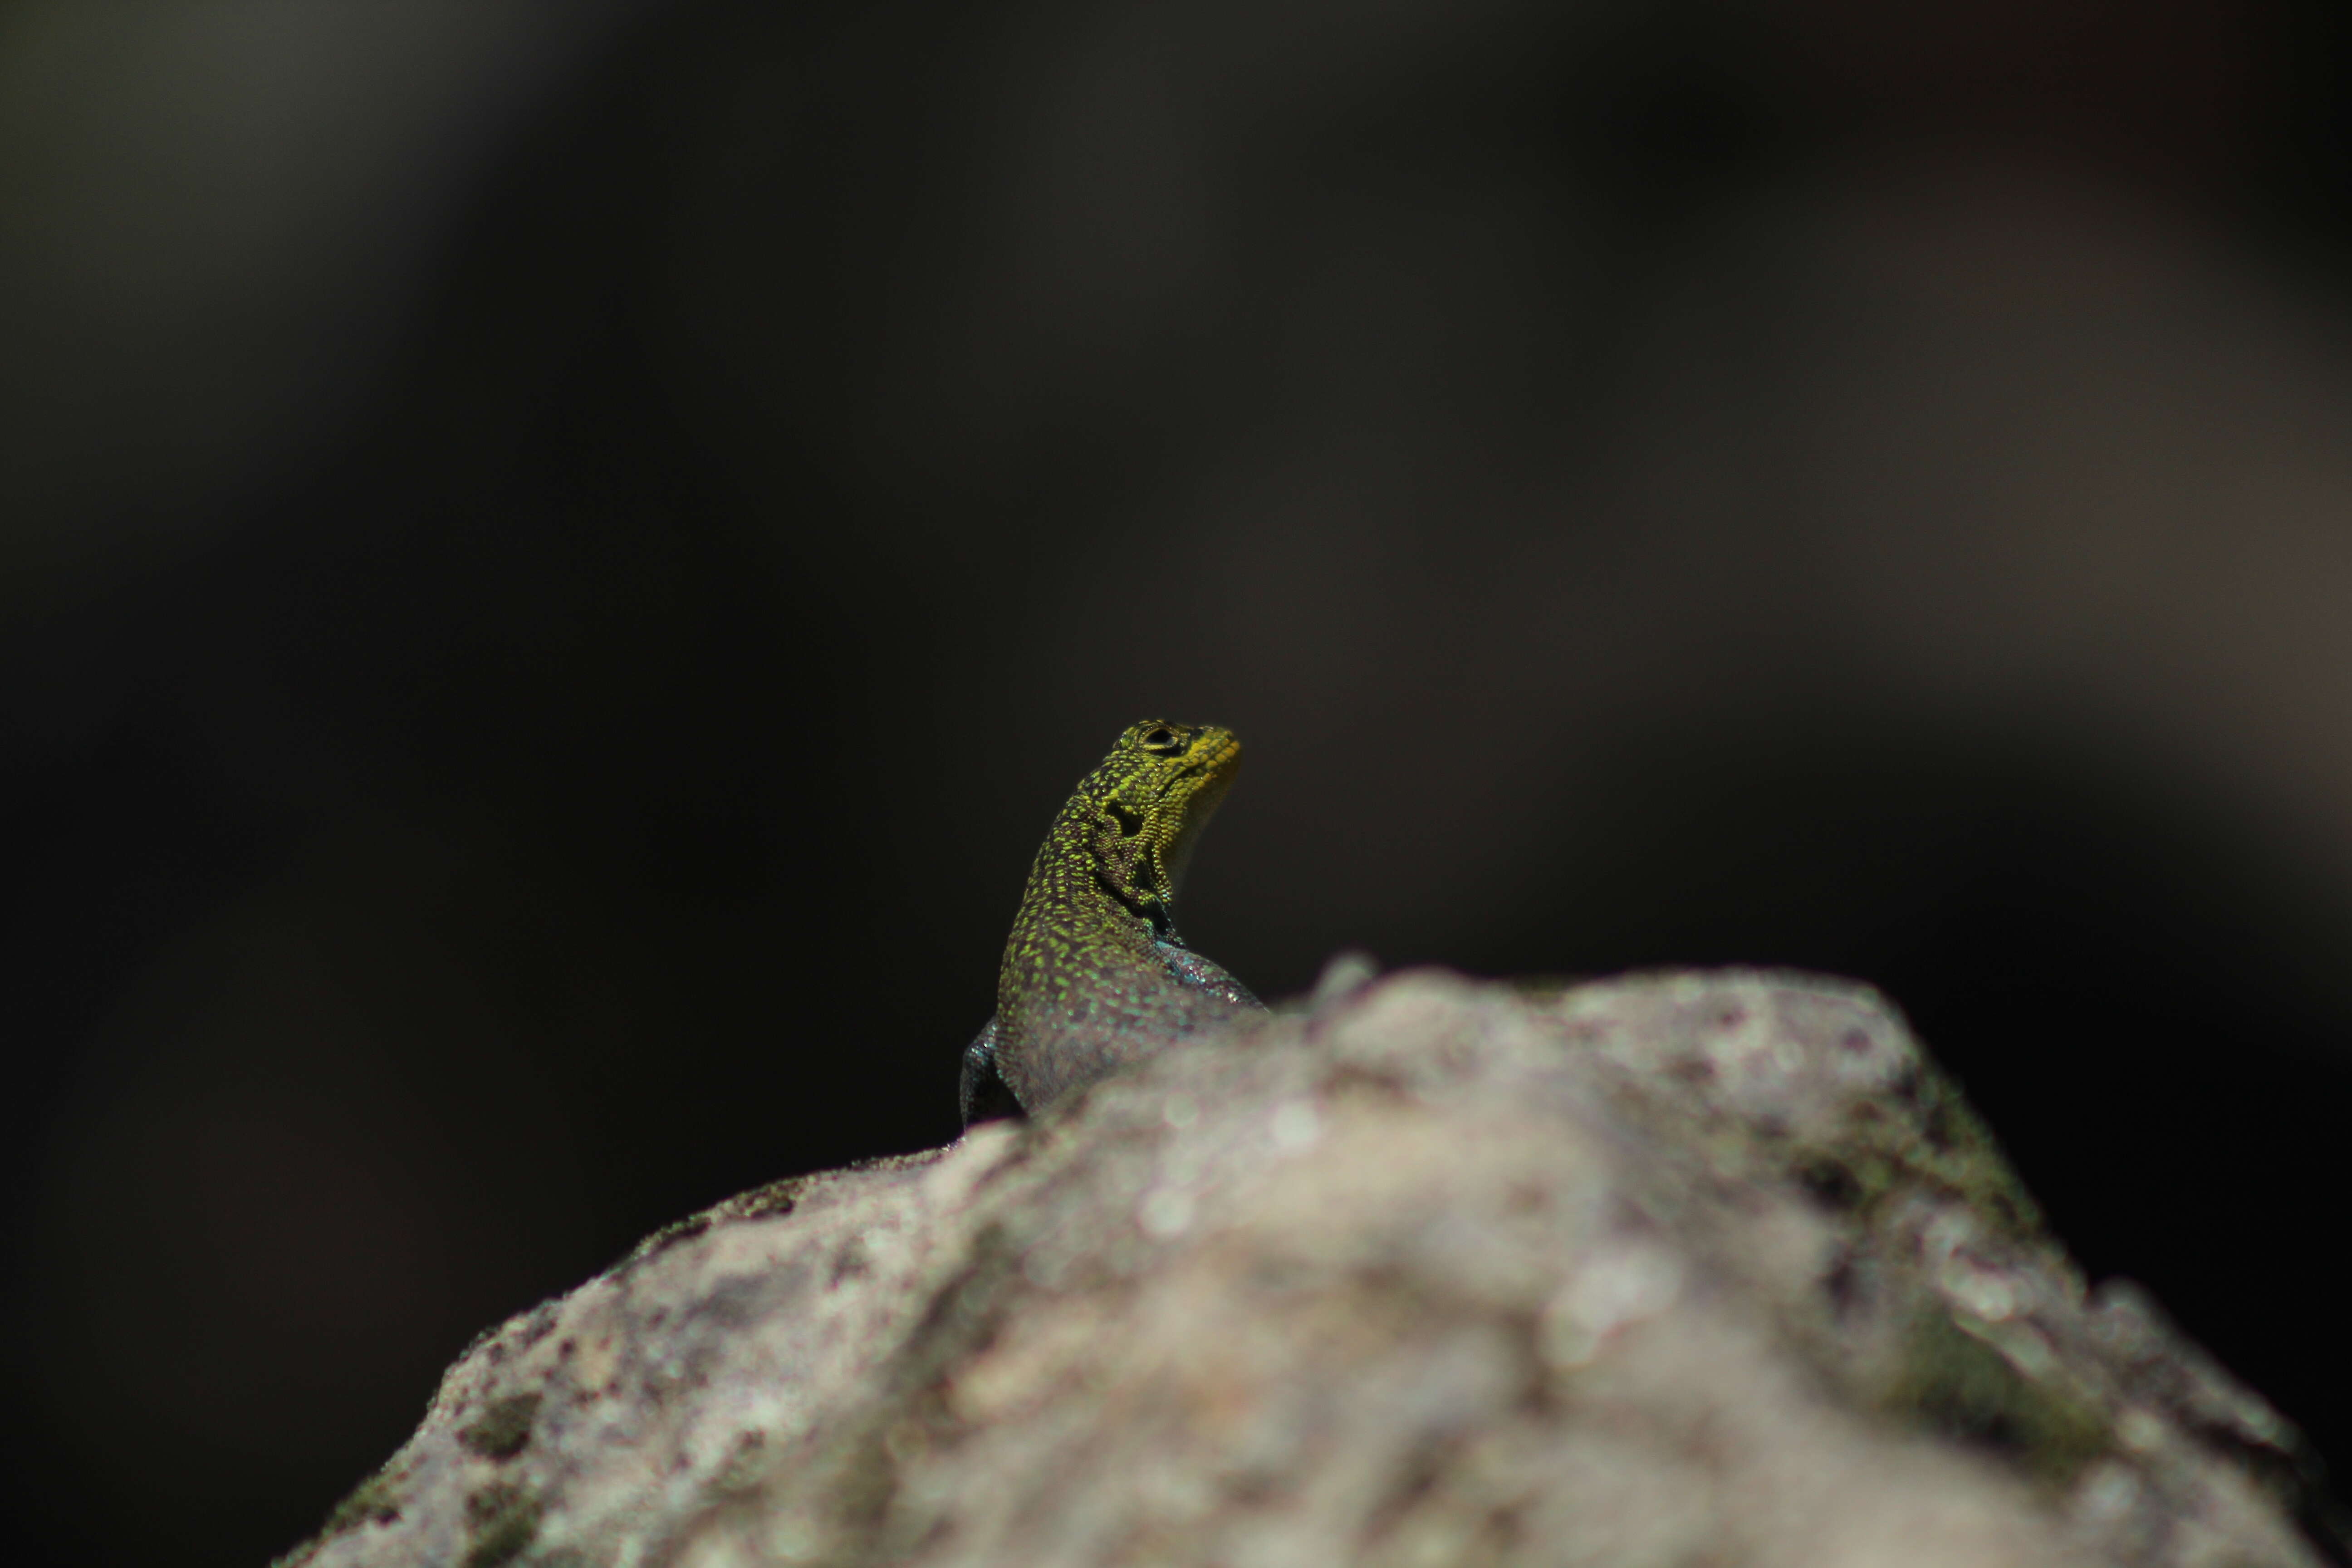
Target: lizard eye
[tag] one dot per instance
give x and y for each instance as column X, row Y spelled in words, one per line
column 1161, row 739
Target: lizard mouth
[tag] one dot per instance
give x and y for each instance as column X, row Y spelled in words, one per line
column 1210, row 755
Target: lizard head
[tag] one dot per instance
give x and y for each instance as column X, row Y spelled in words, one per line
column 1148, row 802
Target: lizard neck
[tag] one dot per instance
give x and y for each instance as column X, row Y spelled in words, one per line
column 1071, row 886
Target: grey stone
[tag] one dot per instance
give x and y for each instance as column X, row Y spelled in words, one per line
column 1670, row 1269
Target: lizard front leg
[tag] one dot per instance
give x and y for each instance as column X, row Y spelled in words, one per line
column 1206, row 974
column 982, row 1093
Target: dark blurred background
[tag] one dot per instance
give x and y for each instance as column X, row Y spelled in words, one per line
column 555, row 562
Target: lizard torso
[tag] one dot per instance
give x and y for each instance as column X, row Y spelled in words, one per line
column 1093, row 972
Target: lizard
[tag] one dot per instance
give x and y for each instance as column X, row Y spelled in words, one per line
column 1093, row 973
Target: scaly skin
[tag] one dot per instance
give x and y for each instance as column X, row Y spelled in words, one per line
column 1093, row 973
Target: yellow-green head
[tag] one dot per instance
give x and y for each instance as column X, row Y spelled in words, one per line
column 1141, row 811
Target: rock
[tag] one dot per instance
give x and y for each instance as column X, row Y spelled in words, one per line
column 1667, row 1269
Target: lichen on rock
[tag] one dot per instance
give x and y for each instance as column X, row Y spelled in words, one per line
column 1690, row 1267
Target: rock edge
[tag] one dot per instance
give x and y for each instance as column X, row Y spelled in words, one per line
column 1673, row 1267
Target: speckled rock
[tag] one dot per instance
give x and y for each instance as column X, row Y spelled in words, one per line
column 1667, row 1269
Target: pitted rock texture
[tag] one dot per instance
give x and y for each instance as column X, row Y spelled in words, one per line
column 1700, row 1267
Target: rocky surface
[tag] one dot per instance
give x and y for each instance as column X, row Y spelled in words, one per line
column 1700, row 1267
